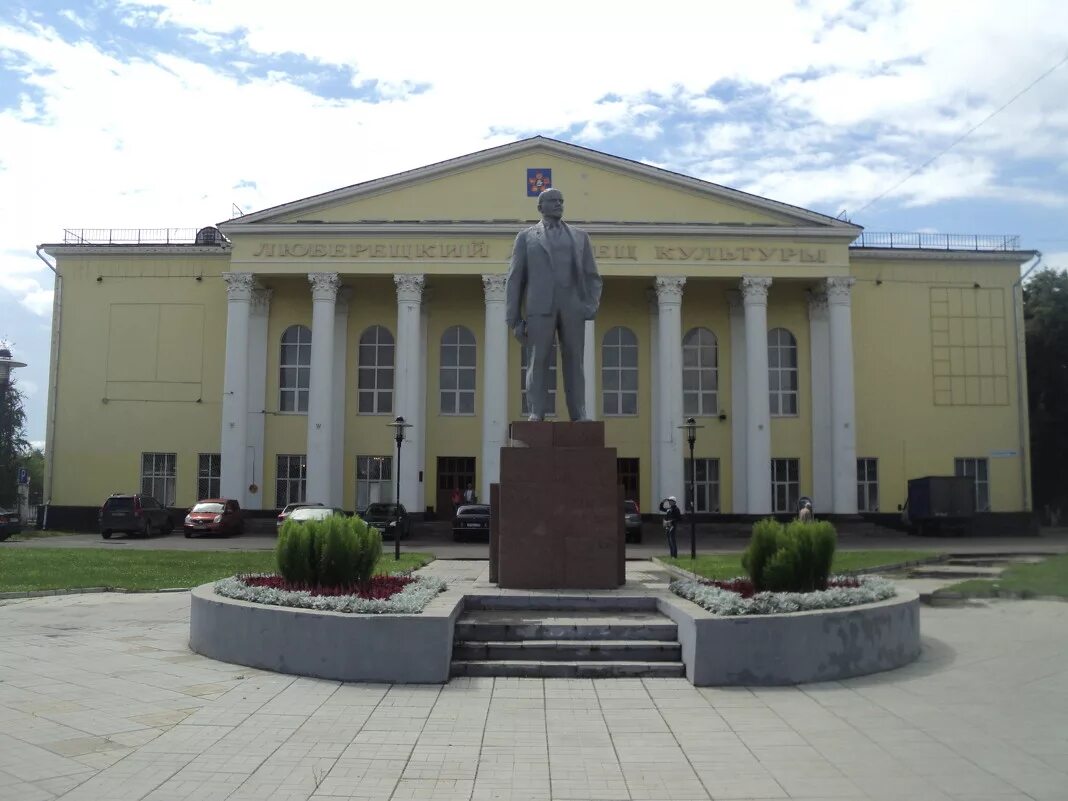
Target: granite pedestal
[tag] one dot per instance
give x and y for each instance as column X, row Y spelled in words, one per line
column 557, row 521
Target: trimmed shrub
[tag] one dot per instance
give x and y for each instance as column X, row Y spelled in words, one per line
column 762, row 546
column 294, row 553
column 792, row 558
column 334, row 552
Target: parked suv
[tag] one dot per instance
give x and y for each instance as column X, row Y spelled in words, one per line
column 133, row 514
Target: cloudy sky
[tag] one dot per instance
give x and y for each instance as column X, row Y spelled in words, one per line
column 124, row 113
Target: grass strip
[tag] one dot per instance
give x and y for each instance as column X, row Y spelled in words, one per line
column 725, row 566
column 30, row 569
column 1047, row 578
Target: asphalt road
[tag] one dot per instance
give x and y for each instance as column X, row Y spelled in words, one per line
column 437, row 539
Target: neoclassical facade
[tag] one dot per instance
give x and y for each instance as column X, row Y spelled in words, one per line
column 265, row 362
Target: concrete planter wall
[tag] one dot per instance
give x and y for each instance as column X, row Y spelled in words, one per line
column 795, row 648
column 755, row 650
column 326, row 645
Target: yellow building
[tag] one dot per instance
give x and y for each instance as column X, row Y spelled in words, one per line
column 265, row 362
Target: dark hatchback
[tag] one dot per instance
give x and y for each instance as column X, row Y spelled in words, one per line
column 384, row 517
column 133, row 514
column 470, row 520
column 9, row 523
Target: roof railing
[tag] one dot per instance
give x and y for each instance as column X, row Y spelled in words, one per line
column 129, row 236
column 931, row 241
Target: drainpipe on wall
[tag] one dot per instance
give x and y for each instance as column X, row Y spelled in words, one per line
column 1021, row 376
column 53, row 383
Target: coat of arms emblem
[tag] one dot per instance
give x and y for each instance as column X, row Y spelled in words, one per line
column 538, row 180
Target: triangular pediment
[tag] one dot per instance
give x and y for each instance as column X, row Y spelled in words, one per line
column 492, row 185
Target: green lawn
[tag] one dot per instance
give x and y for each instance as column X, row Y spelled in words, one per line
column 1045, row 578
column 723, row 566
column 26, row 569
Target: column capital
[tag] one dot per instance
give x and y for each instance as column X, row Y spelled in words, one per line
column 410, row 286
column 324, row 285
column 239, row 286
column 669, row 289
column 261, row 300
column 493, row 287
column 838, row 289
column 755, row 288
column 817, row 301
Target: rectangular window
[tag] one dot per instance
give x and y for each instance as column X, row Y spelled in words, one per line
column 867, row 485
column 374, row 480
column 977, row 469
column 158, row 472
column 785, row 485
column 209, row 475
column 289, row 484
column 706, row 484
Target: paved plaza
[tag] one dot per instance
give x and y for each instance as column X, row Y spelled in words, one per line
column 101, row 700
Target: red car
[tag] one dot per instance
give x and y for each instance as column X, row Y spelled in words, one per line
column 214, row 516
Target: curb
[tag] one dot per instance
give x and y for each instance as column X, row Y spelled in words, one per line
column 9, row 596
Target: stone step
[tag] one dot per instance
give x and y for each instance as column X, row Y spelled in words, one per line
column 514, row 625
column 568, row 651
column 563, row 602
column 569, row 670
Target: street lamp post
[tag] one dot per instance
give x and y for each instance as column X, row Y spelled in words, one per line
column 690, row 427
column 398, row 427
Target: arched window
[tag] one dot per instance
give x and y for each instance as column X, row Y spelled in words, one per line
column 375, row 367
column 457, row 372
column 700, row 373
column 550, row 410
column 782, row 372
column 619, row 372
column 294, row 369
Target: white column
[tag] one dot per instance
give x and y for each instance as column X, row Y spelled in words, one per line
column 820, row 348
column 843, row 404
column 739, row 404
column 495, row 377
column 420, row 439
column 321, row 390
column 669, row 383
column 257, row 397
column 338, row 407
column 234, row 438
column 589, row 369
column 409, row 384
column 654, row 399
column 758, row 423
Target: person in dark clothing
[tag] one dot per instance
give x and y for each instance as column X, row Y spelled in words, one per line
column 672, row 516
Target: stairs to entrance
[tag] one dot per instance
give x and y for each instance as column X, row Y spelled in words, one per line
column 565, row 637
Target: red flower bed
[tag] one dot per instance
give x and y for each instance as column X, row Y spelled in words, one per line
column 745, row 588
column 379, row 587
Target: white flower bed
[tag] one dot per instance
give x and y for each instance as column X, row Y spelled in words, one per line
column 408, row 601
column 727, row 603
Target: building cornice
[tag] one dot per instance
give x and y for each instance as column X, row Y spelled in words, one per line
column 511, row 228
column 937, row 254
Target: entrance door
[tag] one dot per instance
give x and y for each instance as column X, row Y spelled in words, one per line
column 454, row 473
column 627, row 474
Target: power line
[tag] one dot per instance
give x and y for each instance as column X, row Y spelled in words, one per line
column 966, row 134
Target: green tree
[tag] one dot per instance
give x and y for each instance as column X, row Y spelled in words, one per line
column 1046, row 325
column 13, row 444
